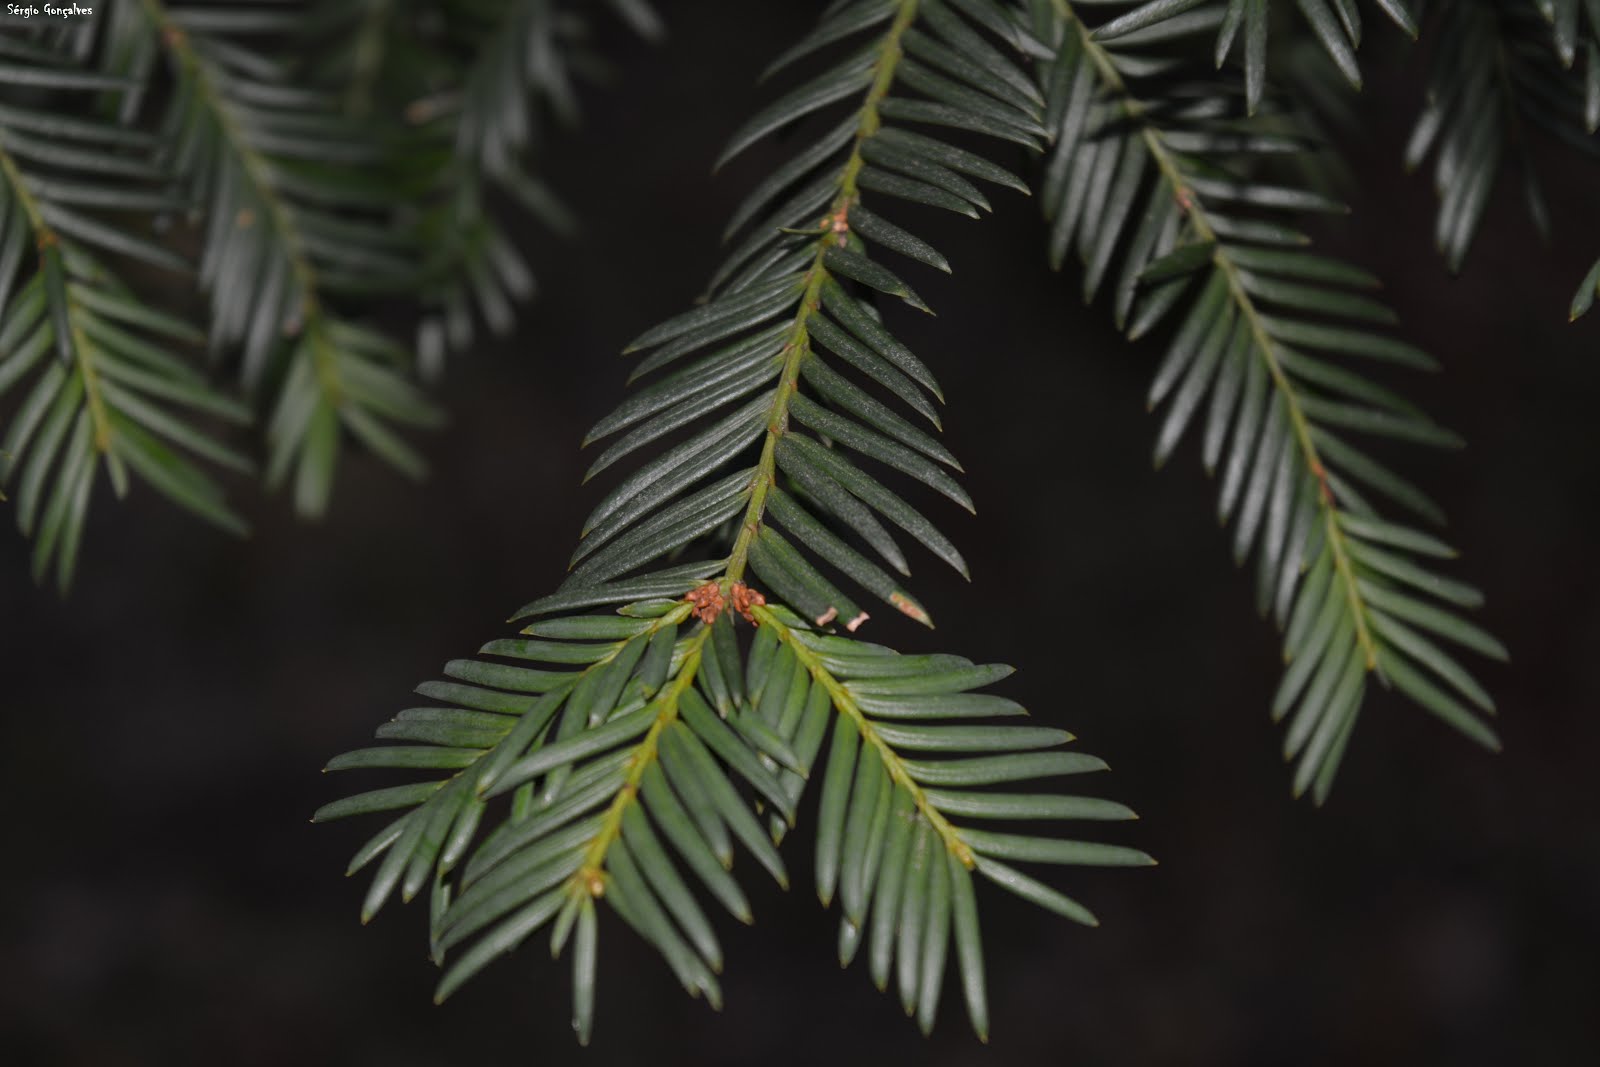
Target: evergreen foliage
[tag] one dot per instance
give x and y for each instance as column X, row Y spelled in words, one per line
column 307, row 169
column 1269, row 345
column 304, row 167
column 1500, row 71
column 674, row 728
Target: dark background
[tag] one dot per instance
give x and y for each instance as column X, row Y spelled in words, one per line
column 166, row 901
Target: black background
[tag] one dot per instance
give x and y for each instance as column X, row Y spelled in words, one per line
column 165, row 900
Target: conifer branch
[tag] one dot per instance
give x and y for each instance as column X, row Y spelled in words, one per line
column 1334, row 572
column 1496, row 76
column 652, row 736
column 113, row 397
